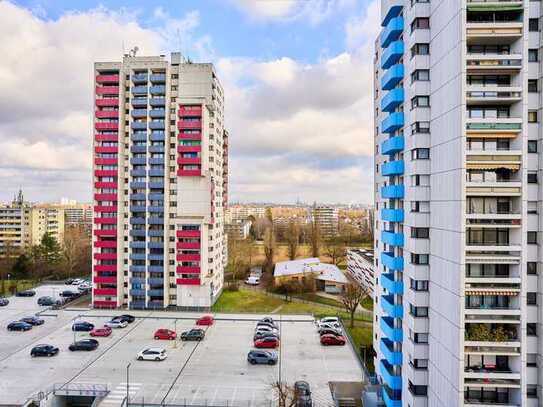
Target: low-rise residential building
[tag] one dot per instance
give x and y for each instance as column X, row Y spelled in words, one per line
column 238, row 229
column 327, row 277
column 361, row 269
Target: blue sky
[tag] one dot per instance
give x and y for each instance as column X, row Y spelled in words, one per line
column 297, row 78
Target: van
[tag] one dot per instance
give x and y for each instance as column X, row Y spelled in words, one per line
column 252, row 280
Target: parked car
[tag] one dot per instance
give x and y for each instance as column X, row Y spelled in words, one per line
column 77, row 281
column 302, row 393
column 116, row 324
column 82, row 326
column 69, row 281
column 68, row 294
column 166, row 334
column 260, row 335
column 330, row 339
column 156, row 354
column 262, row 328
column 84, row 288
column 84, row 344
column 19, row 326
column 267, row 342
column 46, row 301
column 125, row 317
column 44, row 350
column 33, row 320
column 3, row 302
column 205, row 320
column 330, row 331
column 252, row 280
column 263, row 357
column 327, row 320
column 104, row 332
column 268, row 319
column 195, row 334
column 26, row 293
column 269, row 324
column 332, row 325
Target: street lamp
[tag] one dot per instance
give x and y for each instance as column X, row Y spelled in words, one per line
column 127, row 382
column 175, row 330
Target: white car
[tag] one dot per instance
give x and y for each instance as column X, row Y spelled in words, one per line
column 157, row 354
column 116, row 324
column 84, row 287
column 77, row 281
column 265, row 328
column 326, row 320
column 331, row 325
column 252, row 280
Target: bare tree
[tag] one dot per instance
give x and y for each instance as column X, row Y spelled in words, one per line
column 286, row 395
column 336, row 250
column 235, row 257
column 75, row 251
column 269, row 249
column 315, row 239
column 351, row 297
column 293, row 239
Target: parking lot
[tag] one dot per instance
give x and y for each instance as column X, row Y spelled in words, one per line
column 213, row 372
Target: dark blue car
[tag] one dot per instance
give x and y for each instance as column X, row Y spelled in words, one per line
column 33, row 320
column 19, row 326
column 82, row 326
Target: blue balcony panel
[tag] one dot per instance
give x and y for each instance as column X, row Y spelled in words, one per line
column 138, row 173
column 390, row 262
column 157, row 185
column 156, row 197
column 392, row 238
column 156, row 269
column 155, row 209
column 137, row 291
column 138, row 149
column 392, row 381
column 157, row 90
column 137, row 269
column 156, row 172
column 392, row 286
column 157, row 125
column 156, row 233
column 139, row 125
column 137, row 208
column 155, row 256
column 389, row 308
column 157, row 221
column 156, row 161
column 139, row 102
column 393, row 122
column 155, row 293
column 392, row 54
column 140, row 78
column 386, row 347
column 155, row 281
column 139, row 113
column 157, row 136
column 393, row 145
column 392, row 31
column 137, row 245
column 392, row 77
column 137, row 305
column 138, row 185
column 392, row 100
column 393, row 168
column 137, row 221
column 156, row 101
column 137, row 161
column 139, row 90
column 393, row 11
column 137, row 232
column 137, row 280
column 391, row 402
column 156, row 149
column 158, row 77
column 155, row 245
column 155, row 304
column 157, row 113
column 137, row 197
column 387, row 327
column 139, row 136
column 137, row 256
column 393, row 191
column 392, row 215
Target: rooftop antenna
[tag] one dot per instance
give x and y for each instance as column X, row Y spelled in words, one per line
column 134, row 51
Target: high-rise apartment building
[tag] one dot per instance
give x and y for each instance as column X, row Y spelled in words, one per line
column 159, row 184
column 457, row 134
column 327, row 219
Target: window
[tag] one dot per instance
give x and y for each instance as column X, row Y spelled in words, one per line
column 418, row 390
column 420, row 363
column 531, row 298
column 419, row 312
column 533, row 24
column 420, row 233
column 420, row 338
column 420, row 154
column 420, row 180
column 532, row 85
column 531, row 391
column 420, row 75
column 532, row 146
column 531, row 359
column 420, row 22
column 420, row 49
column 419, row 285
column 531, row 268
column 532, row 178
column 420, row 127
column 419, row 258
column 532, row 237
column 532, row 116
column 532, row 207
column 533, row 55
column 420, row 206
column 420, row 101
column 531, row 329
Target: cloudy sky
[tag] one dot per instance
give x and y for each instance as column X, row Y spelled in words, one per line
column 297, row 78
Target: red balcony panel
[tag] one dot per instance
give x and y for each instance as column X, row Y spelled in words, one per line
column 188, row 233
column 105, row 243
column 189, row 160
column 107, row 78
column 187, row 281
column 189, row 173
column 188, row 257
column 189, row 136
column 105, row 173
column 104, row 304
column 105, row 267
column 99, row 184
column 105, row 197
column 190, row 112
column 105, row 256
column 105, row 161
column 105, row 291
column 105, row 221
column 106, row 114
column 105, row 280
column 107, row 137
column 106, row 126
column 108, row 232
column 185, row 124
column 107, row 102
column 189, row 149
column 187, row 245
column 107, row 149
column 102, row 208
column 187, row 270
column 107, row 90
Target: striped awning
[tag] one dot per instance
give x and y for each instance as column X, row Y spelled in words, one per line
column 488, row 293
column 472, row 134
column 473, row 166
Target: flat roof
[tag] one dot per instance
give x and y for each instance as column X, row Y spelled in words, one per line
column 312, row 265
column 368, row 254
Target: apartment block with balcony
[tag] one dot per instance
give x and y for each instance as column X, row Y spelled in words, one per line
column 457, row 197
column 159, row 184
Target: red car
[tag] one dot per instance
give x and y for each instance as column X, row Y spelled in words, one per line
column 267, row 342
column 105, row 331
column 166, row 334
column 330, row 339
column 205, row 320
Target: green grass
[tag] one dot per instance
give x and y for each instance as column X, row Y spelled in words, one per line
column 319, row 299
column 362, row 336
column 367, row 303
column 5, row 287
column 245, row 301
column 319, row 311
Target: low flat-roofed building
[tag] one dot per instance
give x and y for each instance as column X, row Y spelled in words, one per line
column 328, row 277
column 238, row 229
column 360, row 268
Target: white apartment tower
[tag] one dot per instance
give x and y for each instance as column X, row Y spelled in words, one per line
column 457, row 197
column 160, row 181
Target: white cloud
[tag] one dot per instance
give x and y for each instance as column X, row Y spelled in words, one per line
column 363, row 28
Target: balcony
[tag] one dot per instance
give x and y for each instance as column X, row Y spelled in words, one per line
column 391, row 285
column 392, row 77
column 393, row 168
column 105, row 232
column 188, row 257
column 157, row 90
column 155, row 293
column 109, row 268
column 189, row 149
column 107, row 78
column 187, row 281
column 107, row 137
column 137, row 292
column 100, row 208
column 156, row 161
column 156, row 149
column 494, row 29
column 157, row 125
column 156, row 209
column 107, row 150
column 155, row 220
column 392, row 215
column 189, row 160
column 105, row 291
column 158, row 78
column 392, row 54
column 483, row 95
column 392, row 238
column 391, row 401
column 156, row 185
column 157, row 113
column 110, row 244
column 390, row 262
column 494, row 159
column 107, row 102
column 105, row 221
column 107, row 114
column 189, row 173
column 105, row 280
column 105, row 161
column 106, row 126
column 107, row 90
column 137, row 245
column 140, row 78
column 187, row 245
column 157, row 101
column 393, row 191
column 387, row 327
column 393, row 122
column 189, row 124
column 139, row 90
column 393, row 145
column 189, row 136
column 139, row 113
column 190, row 111
column 155, row 281
column 493, row 63
column 139, row 102
column 187, row 270
column 157, row 136
column 188, row 233
column 393, row 11
column 392, row 381
column 138, row 125
column 392, row 100
column 156, row 269
column 137, row 280
column 105, row 304
column 390, row 308
column 386, row 346
column 392, row 31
